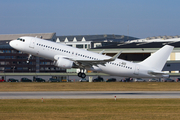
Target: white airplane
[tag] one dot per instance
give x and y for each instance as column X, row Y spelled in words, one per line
column 69, row 57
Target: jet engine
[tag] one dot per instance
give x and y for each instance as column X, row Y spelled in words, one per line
column 63, row 63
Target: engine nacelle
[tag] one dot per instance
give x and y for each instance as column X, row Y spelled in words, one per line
column 63, row 63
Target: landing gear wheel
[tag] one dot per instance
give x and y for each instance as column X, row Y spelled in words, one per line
column 79, row 74
column 83, row 75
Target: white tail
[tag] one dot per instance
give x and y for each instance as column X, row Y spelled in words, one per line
column 158, row 59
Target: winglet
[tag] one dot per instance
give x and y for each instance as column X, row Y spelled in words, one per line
column 101, row 52
column 114, row 57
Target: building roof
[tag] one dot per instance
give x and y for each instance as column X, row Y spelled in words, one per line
column 139, row 45
column 47, row 36
column 108, row 37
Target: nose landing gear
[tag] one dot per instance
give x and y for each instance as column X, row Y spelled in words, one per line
column 28, row 58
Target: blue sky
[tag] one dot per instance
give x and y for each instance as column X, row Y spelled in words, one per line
column 138, row 18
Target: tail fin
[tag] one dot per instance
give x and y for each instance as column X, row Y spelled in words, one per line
column 158, row 59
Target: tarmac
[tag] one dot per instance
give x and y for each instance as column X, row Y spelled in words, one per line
column 90, row 94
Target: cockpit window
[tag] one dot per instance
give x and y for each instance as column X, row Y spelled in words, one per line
column 21, row 39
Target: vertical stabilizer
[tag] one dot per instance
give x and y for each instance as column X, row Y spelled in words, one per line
column 158, row 59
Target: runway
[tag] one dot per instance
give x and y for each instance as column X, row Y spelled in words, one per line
column 89, row 94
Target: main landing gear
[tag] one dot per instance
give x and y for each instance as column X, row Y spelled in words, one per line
column 81, row 74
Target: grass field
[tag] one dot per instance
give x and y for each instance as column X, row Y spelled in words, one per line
column 90, row 109
column 101, row 86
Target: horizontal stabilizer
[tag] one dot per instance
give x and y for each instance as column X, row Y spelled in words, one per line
column 156, row 72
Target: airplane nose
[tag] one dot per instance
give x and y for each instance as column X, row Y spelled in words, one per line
column 16, row 45
column 11, row 43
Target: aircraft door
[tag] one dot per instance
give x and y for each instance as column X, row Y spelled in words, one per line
column 136, row 71
column 32, row 43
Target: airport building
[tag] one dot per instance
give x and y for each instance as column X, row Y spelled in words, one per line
column 93, row 41
column 133, row 49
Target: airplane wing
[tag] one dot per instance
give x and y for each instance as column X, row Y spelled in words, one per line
column 88, row 63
